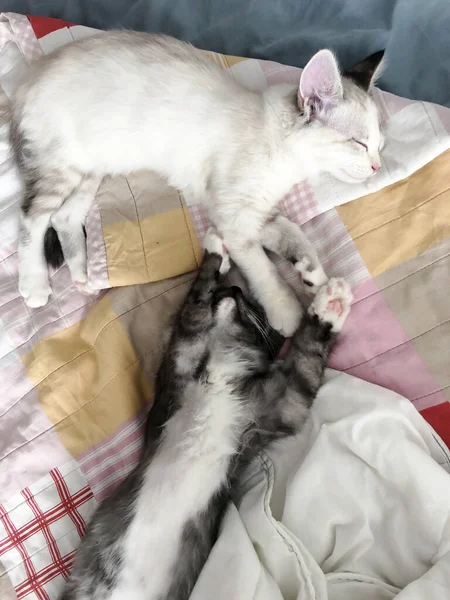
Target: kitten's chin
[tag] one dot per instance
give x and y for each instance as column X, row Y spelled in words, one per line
column 225, row 310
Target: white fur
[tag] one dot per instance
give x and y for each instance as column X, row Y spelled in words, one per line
column 125, row 101
column 191, row 464
column 284, row 237
column 314, row 274
column 34, row 284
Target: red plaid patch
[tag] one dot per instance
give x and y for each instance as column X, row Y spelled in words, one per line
column 40, row 530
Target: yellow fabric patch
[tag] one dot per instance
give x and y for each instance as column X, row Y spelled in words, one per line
column 402, row 220
column 170, row 244
column 232, row 60
column 151, row 249
column 89, row 379
column 124, row 253
column 224, row 60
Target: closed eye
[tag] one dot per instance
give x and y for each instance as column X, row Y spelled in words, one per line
column 360, row 144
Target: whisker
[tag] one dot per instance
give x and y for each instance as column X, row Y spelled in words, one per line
column 257, row 321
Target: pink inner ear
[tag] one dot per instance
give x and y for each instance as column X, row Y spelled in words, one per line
column 321, row 81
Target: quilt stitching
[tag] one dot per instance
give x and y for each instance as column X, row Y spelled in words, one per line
column 81, row 354
column 411, row 339
column 140, row 228
column 408, row 212
column 24, row 528
column 183, row 208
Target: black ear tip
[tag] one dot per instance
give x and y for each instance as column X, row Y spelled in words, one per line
column 377, row 57
column 363, row 73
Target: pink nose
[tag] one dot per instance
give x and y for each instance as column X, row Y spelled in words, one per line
column 375, row 167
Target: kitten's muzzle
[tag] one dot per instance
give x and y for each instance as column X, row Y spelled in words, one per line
column 225, row 305
column 235, row 293
column 228, row 292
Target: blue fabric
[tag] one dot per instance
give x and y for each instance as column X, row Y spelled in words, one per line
column 415, row 33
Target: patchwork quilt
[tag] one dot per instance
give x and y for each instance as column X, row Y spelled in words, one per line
column 77, row 375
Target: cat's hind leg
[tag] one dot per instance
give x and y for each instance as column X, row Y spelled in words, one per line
column 69, row 221
column 45, row 192
column 287, row 239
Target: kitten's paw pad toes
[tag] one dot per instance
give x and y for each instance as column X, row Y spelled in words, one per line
column 335, row 306
column 332, row 303
column 213, row 243
column 313, row 278
column 284, row 313
column 33, row 294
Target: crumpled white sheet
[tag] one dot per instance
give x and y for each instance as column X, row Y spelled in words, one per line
column 355, row 508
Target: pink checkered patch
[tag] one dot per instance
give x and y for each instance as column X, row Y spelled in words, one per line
column 299, row 204
column 200, row 219
column 40, row 530
column 109, row 462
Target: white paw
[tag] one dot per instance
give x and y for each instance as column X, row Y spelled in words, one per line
column 78, row 271
column 283, row 311
column 34, row 290
column 332, row 303
column 313, row 278
column 85, row 288
column 213, row 243
column 37, row 299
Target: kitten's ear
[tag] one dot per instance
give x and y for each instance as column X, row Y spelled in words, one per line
column 320, row 82
column 366, row 72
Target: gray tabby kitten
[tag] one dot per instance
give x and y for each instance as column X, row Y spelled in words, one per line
column 219, row 400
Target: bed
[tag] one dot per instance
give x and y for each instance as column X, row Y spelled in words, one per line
column 78, row 373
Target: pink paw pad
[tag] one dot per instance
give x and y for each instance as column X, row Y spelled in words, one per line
column 335, row 306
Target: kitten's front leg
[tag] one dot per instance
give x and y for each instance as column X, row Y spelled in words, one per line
column 282, row 399
column 287, row 239
column 306, row 358
column 282, row 308
column 190, row 336
column 196, row 313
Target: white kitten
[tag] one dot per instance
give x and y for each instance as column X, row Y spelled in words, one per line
column 124, row 101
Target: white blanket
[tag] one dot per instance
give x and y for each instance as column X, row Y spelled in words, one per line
column 355, row 508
